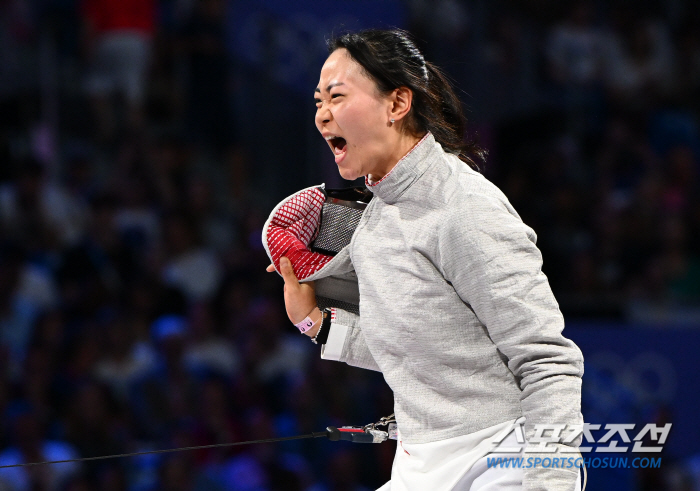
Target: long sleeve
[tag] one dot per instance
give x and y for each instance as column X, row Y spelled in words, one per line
column 489, row 256
column 346, row 343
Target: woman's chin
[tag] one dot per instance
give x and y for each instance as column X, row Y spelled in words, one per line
column 348, row 174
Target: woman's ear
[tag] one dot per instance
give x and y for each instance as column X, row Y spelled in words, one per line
column 402, row 100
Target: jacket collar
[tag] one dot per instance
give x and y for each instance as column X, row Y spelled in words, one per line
column 406, row 171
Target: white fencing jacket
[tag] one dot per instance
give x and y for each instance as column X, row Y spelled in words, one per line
column 455, row 310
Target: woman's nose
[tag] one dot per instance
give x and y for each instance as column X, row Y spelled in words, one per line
column 323, row 115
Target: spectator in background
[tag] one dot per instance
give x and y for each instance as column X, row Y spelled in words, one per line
column 95, row 425
column 193, row 268
column 679, row 261
column 577, row 58
column 217, row 225
column 117, row 44
column 39, row 213
column 576, row 48
column 509, row 55
column 203, row 42
column 31, row 445
column 641, row 63
column 275, row 352
column 123, row 360
column 136, row 218
column 165, row 397
column 207, row 351
column 25, row 292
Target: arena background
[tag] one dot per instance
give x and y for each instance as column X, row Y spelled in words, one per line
column 144, row 142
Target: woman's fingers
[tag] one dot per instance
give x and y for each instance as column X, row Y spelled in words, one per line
column 299, row 298
column 288, row 272
column 270, row 268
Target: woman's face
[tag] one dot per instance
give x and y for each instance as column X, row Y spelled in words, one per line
column 353, row 117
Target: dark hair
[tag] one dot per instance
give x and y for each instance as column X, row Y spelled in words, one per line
column 392, row 60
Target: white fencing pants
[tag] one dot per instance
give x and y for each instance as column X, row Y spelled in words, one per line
column 458, row 464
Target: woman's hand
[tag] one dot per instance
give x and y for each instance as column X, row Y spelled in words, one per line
column 299, row 298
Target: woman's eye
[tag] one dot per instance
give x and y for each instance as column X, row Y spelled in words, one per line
column 317, row 101
column 336, row 95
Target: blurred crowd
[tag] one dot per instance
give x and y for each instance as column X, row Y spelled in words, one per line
column 590, row 110
column 139, row 160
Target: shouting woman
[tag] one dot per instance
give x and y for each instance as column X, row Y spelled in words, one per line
column 455, row 310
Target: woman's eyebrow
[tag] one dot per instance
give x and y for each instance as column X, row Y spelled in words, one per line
column 330, row 86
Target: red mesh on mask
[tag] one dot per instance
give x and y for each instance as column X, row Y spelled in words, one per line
column 292, row 228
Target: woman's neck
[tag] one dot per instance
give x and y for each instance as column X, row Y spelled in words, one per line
column 403, row 145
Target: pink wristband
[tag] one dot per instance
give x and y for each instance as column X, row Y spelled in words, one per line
column 305, row 325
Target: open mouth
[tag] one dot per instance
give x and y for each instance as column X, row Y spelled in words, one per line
column 338, row 145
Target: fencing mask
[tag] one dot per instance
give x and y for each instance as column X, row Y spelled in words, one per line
column 313, row 228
